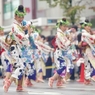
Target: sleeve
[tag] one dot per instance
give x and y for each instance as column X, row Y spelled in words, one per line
column 19, row 36
column 42, row 46
column 58, row 43
column 63, row 39
column 32, row 42
column 19, row 32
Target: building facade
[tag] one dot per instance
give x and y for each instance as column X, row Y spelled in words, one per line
column 38, row 9
column 7, row 8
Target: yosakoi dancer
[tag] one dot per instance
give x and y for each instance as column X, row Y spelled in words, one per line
column 62, row 55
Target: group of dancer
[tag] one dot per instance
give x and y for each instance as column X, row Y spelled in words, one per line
column 23, row 50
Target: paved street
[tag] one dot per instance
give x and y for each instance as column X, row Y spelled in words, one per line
column 72, row 88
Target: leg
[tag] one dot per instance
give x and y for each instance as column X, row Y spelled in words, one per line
column 40, row 76
column 20, row 84
column 8, row 83
column 52, row 79
column 59, row 82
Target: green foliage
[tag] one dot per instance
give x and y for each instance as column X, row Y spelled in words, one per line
column 72, row 12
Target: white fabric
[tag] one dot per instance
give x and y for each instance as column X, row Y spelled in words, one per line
column 18, row 31
column 80, row 61
column 61, row 40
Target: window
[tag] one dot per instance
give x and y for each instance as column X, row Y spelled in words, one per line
column 7, row 10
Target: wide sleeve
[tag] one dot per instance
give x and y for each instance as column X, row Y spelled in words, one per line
column 20, row 36
column 63, row 39
column 19, row 32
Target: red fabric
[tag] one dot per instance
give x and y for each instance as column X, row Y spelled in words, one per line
column 92, row 40
column 84, row 44
column 19, row 36
column 1, row 50
column 53, row 42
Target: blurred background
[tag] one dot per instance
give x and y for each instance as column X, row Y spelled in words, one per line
column 45, row 13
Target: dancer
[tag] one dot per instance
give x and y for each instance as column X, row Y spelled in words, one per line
column 19, row 39
column 62, row 57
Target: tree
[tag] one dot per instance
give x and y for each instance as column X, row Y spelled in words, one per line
column 71, row 11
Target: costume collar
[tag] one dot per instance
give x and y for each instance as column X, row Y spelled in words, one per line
column 17, row 23
column 59, row 30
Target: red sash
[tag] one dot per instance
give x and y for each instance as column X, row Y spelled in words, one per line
column 1, row 50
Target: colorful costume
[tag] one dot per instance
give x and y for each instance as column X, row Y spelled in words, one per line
column 63, row 47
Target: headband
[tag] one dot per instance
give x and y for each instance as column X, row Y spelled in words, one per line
column 86, row 24
column 35, row 29
column 62, row 22
column 20, row 14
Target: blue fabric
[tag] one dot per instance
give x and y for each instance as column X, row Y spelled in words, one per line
column 9, row 68
column 21, row 73
column 36, row 54
column 62, row 65
column 68, row 55
column 7, row 61
column 24, row 23
column 93, row 70
column 26, row 55
column 20, row 77
column 40, row 70
column 71, row 71
column 32, row 72
column 33, row 76
column 32, row 43
column 59, row 71
column 93, row 73
column 43, row 57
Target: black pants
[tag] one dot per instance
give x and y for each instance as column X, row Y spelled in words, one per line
column 73, row 75
column 48, row 71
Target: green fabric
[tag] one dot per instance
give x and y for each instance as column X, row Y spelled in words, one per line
column 73, row 47
column 20, row 14
column 12, row 36
column 35, row 29
column 1, row 28
column 66, row 23
column 86, row 24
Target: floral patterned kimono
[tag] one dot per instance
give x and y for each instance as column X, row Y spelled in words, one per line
column 63, row 58
column 23, row 43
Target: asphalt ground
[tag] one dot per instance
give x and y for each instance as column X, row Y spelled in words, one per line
column 70, row 88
